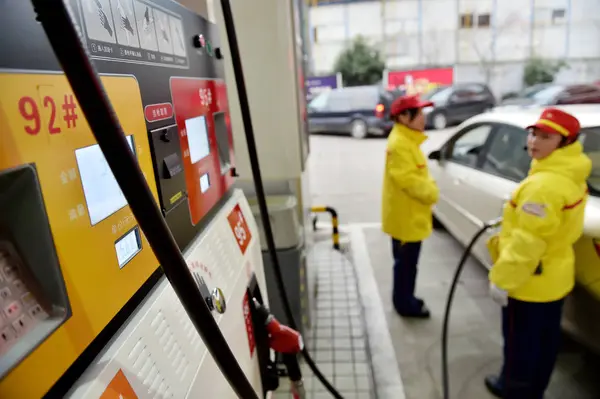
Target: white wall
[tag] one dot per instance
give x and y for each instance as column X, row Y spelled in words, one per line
column 394, row 26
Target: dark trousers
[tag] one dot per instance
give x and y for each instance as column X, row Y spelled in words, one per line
column 406, row 257
column 531, row 344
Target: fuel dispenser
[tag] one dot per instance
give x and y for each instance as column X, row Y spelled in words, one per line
column 86, row 310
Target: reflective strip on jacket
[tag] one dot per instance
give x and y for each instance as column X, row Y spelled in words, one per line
column 408, row 190
column 542, row 221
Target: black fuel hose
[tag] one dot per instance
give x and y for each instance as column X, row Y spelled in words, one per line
column 461, row 264
column 258, row 184
column 57, row 21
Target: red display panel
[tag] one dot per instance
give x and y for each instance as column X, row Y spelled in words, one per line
column 202, row 117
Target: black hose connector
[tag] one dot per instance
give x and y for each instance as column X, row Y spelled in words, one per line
column 57, row 21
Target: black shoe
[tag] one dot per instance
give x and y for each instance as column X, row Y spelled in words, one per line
column 492, row 384
column 421, row 313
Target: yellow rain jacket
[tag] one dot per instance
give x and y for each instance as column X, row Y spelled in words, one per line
column 408, row 189
column 535, row 260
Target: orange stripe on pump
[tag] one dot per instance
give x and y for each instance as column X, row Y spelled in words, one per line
column 421, row 166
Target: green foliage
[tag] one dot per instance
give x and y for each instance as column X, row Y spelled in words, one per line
column 360, row 64
column 538, row 71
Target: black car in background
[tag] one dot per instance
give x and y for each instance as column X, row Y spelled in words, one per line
column 457, row 103
column 554, row 94
column 358, row 110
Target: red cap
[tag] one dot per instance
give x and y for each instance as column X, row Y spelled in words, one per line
column 407, row 102
column 555, row 121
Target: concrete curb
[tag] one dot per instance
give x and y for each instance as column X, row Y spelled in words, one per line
column 388, row 381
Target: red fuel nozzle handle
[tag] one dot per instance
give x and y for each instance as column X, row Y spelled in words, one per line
column 282, row 338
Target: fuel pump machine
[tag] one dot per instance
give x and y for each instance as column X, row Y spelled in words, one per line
column 80, row 288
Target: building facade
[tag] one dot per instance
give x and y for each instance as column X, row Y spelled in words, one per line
column 485, row 40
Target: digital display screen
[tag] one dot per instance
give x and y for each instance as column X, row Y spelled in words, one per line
column 222, row 135
column 102, row 192
column 128, row 246
column 197, row 135
column 204, row 183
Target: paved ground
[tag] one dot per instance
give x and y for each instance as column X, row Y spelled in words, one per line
column 346, row 174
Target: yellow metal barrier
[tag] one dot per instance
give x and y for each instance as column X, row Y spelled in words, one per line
column 334, row 222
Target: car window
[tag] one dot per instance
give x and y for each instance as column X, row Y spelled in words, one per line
column 439, row 95
column 475, row 89
column 363, row 99
column 466, row 149
column 547, row 95
column 320, row 102
column 339, row 101
column 506, row 155
column 590, row 139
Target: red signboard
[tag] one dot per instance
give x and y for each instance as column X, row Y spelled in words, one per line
column 420, row 81
column 240, row 228
column 248, row 321
column 158, row 112
column 201, row 105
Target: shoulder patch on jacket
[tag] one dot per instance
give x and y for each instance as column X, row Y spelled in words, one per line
column 535, row 209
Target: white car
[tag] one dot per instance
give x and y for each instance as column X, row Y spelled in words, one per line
column 479, row 166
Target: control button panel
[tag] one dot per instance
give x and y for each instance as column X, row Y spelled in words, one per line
column 20, row 311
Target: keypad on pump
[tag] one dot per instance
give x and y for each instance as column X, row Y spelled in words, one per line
column 19, row 310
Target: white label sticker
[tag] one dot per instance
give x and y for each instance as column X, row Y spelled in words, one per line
column 534, row 209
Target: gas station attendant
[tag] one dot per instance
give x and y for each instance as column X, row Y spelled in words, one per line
column 534, row 266
column 409, row 192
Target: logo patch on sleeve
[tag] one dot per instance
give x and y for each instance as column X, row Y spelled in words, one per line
column 534, row 209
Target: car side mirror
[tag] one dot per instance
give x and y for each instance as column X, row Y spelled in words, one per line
column 435, row 155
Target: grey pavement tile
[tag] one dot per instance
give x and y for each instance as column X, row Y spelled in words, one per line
column 361, row 368
column 344, row 368
column 342, row 343
column 324, row 356
column 344, row 355
column 345, row 383
column 363, row 383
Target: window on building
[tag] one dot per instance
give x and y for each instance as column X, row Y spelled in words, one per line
column 483, row 20
column 315, row 35
column 558, row 15
column 466, row 21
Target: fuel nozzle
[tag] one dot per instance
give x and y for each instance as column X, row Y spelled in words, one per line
column 282, row 338
column 492, row 224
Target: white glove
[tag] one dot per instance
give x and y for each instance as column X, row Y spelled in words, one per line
column 498, row 295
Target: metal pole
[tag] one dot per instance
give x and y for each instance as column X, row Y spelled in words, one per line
column 457, row 35
column 531, row 27
column 383, row 34
column 346, row 24
column 494, row 29
column 420, row 22
column 568, row 29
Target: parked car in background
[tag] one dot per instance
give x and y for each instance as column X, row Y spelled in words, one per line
column 457, row 103
column 480, row 165
column 554, row 94
column 359, row 111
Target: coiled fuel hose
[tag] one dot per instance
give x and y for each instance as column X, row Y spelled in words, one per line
column 467, row 252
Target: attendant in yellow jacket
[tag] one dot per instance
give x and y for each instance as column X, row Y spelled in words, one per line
column 408, row 195
column 533, row 255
